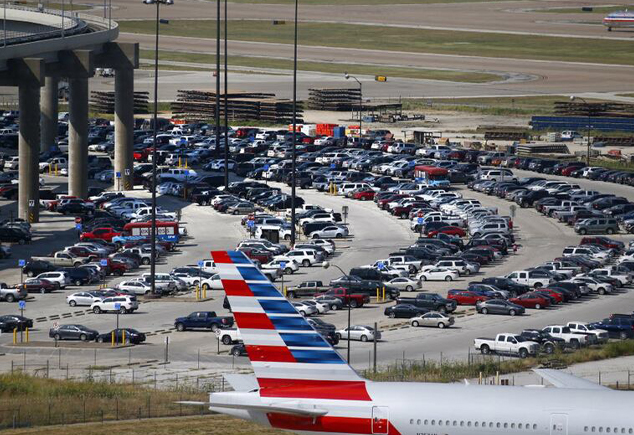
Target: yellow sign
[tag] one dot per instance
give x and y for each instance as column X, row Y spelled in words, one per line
column 380, row 78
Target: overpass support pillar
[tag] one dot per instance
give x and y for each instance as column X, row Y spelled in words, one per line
column 29, row 152
column 49, row 108
column 124, row 128
column 78, row 137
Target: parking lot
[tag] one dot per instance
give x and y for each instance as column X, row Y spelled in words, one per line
column 374, row 235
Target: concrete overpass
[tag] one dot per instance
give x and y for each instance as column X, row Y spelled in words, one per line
column 39, row 48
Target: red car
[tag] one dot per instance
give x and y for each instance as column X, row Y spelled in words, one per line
column 256, row 254
column 38, row 285
column 100, row 233
column 382, row 203
column 141, row 155
column 466, row 297
column 557, row 296
column 449, row 230
column 364, row 195
column 531, row 300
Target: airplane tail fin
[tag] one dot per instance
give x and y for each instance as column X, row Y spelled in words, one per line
column 290, row 358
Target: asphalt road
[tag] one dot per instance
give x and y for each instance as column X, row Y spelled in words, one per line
column 375, row 235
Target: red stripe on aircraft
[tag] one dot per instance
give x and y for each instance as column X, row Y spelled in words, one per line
column 351, row 425
column 253, row 321
column 236, row 287
column 270, row 353
column 313, row 389
column 221, row 257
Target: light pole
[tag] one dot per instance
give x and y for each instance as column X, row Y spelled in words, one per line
column 326, row 265
column 348, row 76
column 158, row 4
column 226, row 114
column 294, row 146
column 217, row 151
column 573, row 98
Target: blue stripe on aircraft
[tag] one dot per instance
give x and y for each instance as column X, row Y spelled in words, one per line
column 317, row 356
column 290, row 323
column 304, row 340
column 264, row 290
column 277, row 306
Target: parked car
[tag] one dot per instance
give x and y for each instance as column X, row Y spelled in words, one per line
column 405, row 311
column 73, row 332
column 131, row 336
column 123, row 304
column 362, row 333
column 499, row 306
column 433, row 318
column 83, row 299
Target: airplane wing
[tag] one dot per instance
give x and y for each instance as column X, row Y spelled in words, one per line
column 279, row 409
column 565, row 380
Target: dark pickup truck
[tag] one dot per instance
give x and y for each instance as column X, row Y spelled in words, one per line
column 548, row 343
column 364, row 286
column 306, row 288
column 356, row 300
column 430, row 301
column 203, row 320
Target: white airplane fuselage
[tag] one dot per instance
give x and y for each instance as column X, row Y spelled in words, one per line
column 409, row 408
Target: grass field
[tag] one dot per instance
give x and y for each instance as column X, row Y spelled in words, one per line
column 410, row 40
column 55, row 5
column 336, row 68
column 353, row 2
column 602, row 10
column 504, row 106
column 207, row 425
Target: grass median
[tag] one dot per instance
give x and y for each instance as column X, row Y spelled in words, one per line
column 326, row 67
column 502, row 106
column 354, row 2
column 405, row 39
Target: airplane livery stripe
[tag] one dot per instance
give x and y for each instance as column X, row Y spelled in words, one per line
column 221, row 257
column 348, row 425
column 235, row 287
column 313, row 389
column 317, row 356
column 280, row 342
column 304, row 340
column 270, row 353
column 253, row 321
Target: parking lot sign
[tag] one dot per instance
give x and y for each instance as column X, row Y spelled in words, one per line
column 283, row 265
column 381, row 265
column 200, row 263
column 78, row 227
column 333, row 166
column 117, row 174
column 22, row 305
column 117, row 306
column 103, row 262
column 21, row 263
column 420, row 220
column 250, row 223
column 266, row 167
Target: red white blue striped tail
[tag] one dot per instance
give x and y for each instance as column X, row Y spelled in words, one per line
column 289, row 357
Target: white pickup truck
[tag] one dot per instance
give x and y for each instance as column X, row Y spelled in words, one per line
column 573, row 339
column 229, row 336
column 530, row 278
column 507, row 344
column 622, row 277
column 595, row 335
